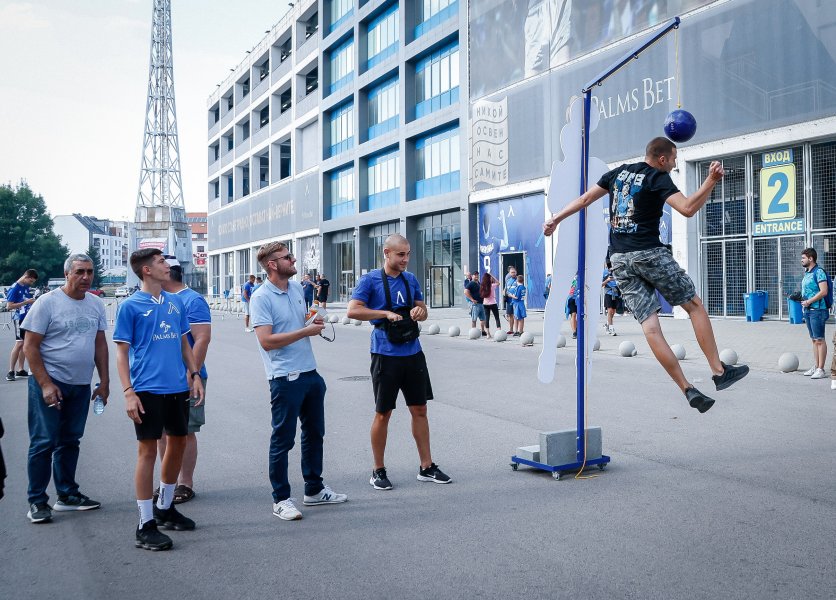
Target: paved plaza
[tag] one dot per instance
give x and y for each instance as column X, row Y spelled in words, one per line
column 737, row 503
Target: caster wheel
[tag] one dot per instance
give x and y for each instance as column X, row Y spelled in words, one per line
column 556, row 475
column 602, row 466
column 514, row 466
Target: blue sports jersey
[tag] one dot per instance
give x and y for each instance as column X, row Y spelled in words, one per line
column 153, row 329
column 197, row 312
column 247, row 291
column 809, row 286
column 370, row 292
column 18, row 293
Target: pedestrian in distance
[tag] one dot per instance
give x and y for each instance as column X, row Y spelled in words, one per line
column 519, row 306
column 642, row 264
column 200, row 335
column 813, row 293
column 65, row 341
column 477, row 306
column 510, row 281
column 308, row 288
column 489, row 289
column 323, row 287
column 152, row 345
column 297, row 390
column 246, row 294
column 612, row 297
column 572, row 307
column 19, row 298
column 391, row 299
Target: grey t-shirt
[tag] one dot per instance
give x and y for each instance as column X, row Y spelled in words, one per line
column 69, row 328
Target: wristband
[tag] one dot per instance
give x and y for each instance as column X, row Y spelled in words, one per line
column 195, row 373
column 127, row 388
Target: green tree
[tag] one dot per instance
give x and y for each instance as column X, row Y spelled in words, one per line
column 93, row 253
column 27, row 237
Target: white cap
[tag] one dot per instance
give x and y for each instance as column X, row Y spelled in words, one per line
column 171, row 260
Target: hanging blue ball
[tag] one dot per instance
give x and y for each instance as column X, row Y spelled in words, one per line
column 680, row 126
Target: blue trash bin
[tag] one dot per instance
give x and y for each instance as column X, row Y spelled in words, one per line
column 753, row 301
column 796, row 312
column 764, row 296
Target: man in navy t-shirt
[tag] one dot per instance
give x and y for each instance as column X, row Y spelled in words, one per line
column 396, row 366
column 642, row 264
column 151, row 348
column 19, row 299
column 247, row 293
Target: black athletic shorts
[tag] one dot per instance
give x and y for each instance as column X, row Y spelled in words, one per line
column 20, row 334
column 573, row 305
column 169, row 412
column 611, row 301
column 407, row 374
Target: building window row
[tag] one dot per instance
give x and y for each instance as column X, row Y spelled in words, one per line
column 383, row 108
column 438, row 163
column 431, row 13
column 437, row 80
column 339, row 12
column 341, row 201
column 341, row 129
column 384, row 180
column 342, row 65
column 383, row 36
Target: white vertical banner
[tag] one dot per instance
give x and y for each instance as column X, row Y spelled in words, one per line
column 489, row 137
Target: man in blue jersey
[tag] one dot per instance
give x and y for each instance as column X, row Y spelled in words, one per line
column 813, row 292
column 396, row 366
column 246, row 294
column 199, row 336
column 297, row 391
column 510, row 282
column 642, row 264
column 19, row 299
column 151, row 346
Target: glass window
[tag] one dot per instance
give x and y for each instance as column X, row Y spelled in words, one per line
column 383, row 108
column 342, row 128
column 383, row 35
column 342, row 64
column 342, row 193
column 437, row 77
column 438, row 163
column 338, row 11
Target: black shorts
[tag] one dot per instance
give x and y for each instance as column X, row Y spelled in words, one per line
column 20, row 334
column 407, row 374
column 573, row 305
column 169, row 412
column 611, row 301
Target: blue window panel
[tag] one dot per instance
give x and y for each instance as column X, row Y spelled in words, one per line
column 443, row 184
column 342, row 82
column 341, row 20
column 381, row 128
column 341, row 147
column 436, row 103
column 387, row 198
column 343, row 209
column 382, row 55
column 438, row 18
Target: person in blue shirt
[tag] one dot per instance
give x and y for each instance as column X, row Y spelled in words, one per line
column 19, row 299
column 246, row 294
column 572, row 306
column 199, row 336
column 308, row 288
column 151, row 335
column 813, row 291
column 258, row 282
column 297, row 391
column 510, row 281
column 519, row 306
column 612, row 297
column 396, row 366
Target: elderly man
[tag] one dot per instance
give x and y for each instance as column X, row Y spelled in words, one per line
column 65, row 339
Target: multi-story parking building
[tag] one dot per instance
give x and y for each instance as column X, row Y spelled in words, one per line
column 352, row 119
column 342, row 126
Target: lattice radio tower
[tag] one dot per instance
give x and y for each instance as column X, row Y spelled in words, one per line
column 160, row 213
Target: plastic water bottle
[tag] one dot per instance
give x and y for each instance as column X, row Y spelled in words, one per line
column 98, row 404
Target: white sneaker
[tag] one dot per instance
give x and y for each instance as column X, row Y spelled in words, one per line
column 325, row 496
column 833, row 384
column 818, row 374
column 809, row 371
column 286, row 510
column 611, row 331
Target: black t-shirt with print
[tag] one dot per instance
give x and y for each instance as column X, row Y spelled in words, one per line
column 637, row 199
column 473, row 286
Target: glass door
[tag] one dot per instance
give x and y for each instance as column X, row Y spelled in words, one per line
column 441, row 286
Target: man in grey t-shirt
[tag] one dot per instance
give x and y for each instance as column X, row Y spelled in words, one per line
column 64, row 341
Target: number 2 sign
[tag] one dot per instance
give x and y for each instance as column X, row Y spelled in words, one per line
column 778, row 192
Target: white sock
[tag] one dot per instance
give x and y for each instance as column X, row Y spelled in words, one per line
column 166, row 495
column 146, row 510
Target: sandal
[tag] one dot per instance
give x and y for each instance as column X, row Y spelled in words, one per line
column 183, row 493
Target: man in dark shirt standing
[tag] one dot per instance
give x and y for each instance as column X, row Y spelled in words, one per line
column 642, row 264
column 477, row 309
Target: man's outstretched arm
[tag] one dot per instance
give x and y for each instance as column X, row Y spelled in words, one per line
column 576, row 205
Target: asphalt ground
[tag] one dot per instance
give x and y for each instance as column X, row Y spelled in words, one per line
column 737, row 503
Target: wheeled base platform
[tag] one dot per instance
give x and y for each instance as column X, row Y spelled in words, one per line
column 557, row 471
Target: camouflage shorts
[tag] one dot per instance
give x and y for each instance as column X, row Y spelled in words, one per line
column 639, row 274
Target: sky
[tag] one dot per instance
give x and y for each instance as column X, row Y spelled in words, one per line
column 73, row 87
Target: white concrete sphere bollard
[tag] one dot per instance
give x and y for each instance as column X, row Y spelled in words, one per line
column 788, row 362
column 474, row 334
column 499, row 336
column 627, row 348
column 333, row 319
column 358, row 322
column 527, row 338
column 561, row 341
column 678, row 351
column 597, row 345
column 346, row 321
column 728, row 356
column 454, row 331
column 433, row 329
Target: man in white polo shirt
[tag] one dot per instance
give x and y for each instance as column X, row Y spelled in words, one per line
column 297, row 391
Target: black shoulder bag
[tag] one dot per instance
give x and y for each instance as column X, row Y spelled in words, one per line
column 405, row 330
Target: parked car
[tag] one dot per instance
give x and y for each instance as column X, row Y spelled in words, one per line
column 122, row 292
column 97, row 292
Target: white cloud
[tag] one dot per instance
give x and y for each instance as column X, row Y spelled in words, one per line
column 22, row 16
